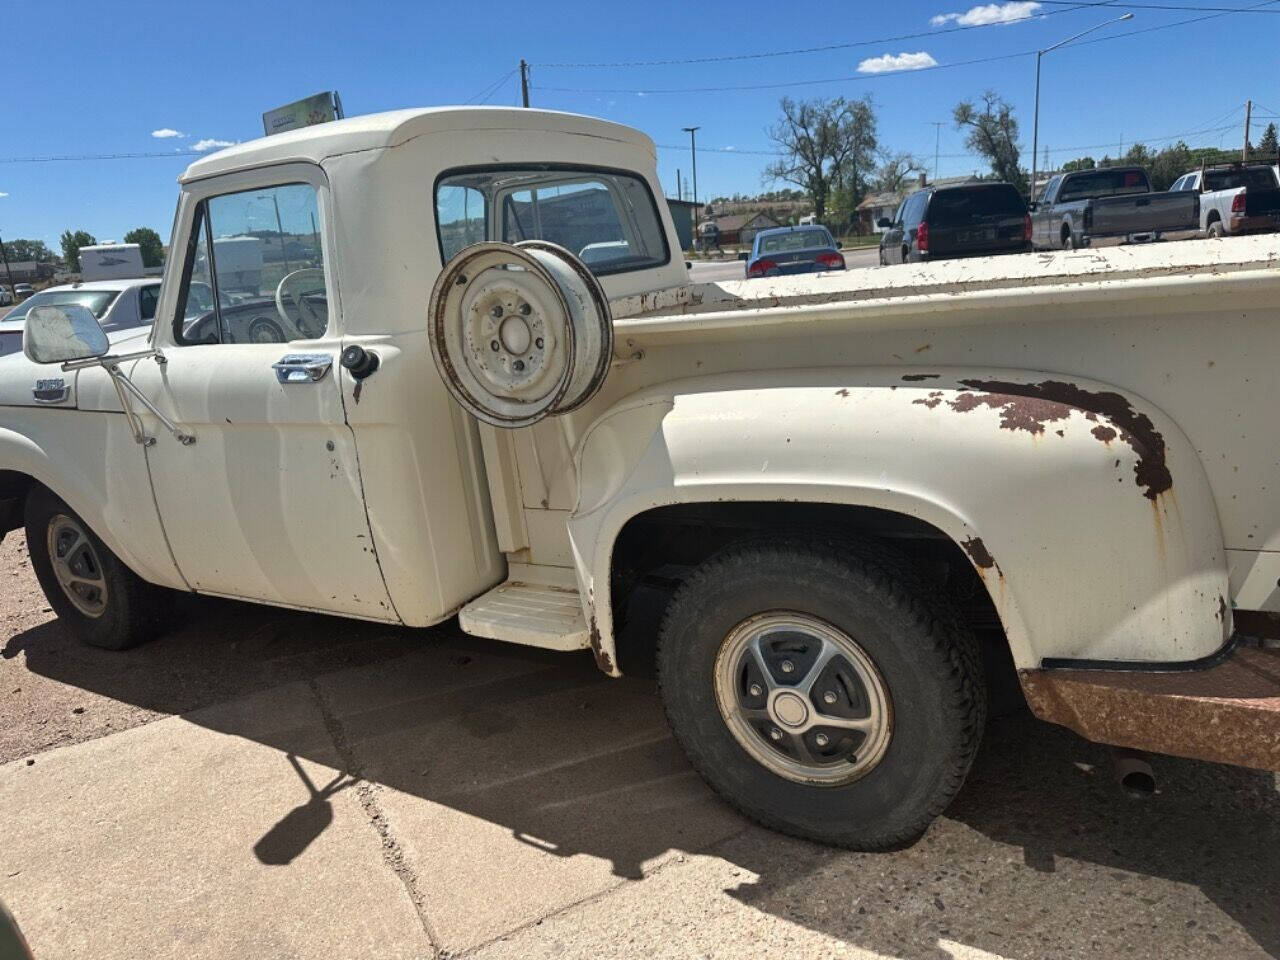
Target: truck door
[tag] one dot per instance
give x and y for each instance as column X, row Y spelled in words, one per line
column 266, row 504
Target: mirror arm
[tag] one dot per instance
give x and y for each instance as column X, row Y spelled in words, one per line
column 125, row 388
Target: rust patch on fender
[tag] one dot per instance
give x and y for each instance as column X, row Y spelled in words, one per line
column 980, row 555
column 931, row 401
column 1029, row 406
column 916, row 377
column 603, row 660
column 1105, row 434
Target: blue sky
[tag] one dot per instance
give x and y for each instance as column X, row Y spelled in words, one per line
column 101, row 78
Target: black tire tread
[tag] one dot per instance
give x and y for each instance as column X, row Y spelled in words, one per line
column 939, row 626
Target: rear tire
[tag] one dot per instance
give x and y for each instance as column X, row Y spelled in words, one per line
column 1217, row 230
column 893, row 648
column 105, row 603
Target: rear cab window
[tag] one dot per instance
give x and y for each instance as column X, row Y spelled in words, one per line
column 1252, row 178
column 1104, row 183
column 607, row 218
column 809, row 239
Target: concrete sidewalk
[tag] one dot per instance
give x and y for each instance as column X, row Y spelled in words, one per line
column 459, row 797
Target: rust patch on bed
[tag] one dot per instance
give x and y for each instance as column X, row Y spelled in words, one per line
column 916, row 377
column 932, row 400
column 1029, row 406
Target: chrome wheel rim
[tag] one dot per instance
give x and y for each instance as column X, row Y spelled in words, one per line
column 803, row 698
column 76, row 566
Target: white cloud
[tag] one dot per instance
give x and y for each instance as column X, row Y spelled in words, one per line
column 988, row 13
column 903, row 61
column 211, row 144
column 3, row 194
column 164, row 133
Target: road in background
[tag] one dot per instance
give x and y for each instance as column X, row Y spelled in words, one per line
column 321, row 787
column 714, row 271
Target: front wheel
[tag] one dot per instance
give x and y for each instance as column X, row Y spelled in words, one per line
column 821, row 691
column 102, row 600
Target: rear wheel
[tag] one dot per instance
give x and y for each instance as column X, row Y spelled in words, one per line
column 1216, row 229
column 821, row 691
column 102, row 600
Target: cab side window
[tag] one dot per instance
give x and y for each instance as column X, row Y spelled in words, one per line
column 148, row 297
column 1051, row 191
column 255, row 269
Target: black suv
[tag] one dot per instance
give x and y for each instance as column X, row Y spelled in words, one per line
column 970, row 220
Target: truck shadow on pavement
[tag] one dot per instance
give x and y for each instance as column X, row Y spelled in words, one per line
column 569, row 762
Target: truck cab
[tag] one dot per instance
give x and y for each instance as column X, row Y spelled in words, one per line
column 465, row 373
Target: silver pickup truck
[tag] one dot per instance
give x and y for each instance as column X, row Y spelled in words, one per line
column 1085, row 205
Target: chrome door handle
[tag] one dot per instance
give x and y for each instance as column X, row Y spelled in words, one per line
column 302, row 367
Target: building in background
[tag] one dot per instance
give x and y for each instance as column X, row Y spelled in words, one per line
column 682, row 217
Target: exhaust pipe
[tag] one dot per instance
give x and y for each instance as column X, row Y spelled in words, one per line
column 1133, row 773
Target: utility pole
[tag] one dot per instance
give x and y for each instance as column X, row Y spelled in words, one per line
column 693, row 151
column 8, row 272
column 679, row 186
column 524, row 82
column 1248, row 115
column 937, row 141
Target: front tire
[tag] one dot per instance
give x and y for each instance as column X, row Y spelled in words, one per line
column 105, row 603
column 821, row 690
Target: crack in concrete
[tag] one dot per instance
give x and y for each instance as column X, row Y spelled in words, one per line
column 366, row 793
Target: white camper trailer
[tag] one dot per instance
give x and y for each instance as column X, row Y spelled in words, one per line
column 111, row 261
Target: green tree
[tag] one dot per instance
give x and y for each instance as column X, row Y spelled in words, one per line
column 19, row 250
column 1080, row 163
column 149, row 244
column 827, row 145
column 1139, row 155
column 71, row 244
column 993, row 133
column 1169, row 164
column 1269, row 145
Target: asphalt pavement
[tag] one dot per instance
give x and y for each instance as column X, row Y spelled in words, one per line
column 269, row 784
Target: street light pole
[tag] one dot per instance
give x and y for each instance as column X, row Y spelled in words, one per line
column 1035, row 126
column 693, row 151
column 5, row 254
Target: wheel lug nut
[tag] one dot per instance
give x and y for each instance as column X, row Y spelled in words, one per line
column 538, row 343
column 525, row 309
column 756, row 690
column 496, row 311
column 821, row 739
column 493, row 345
column 829, row 697
column 519, row 365
column 788, row 666
column 775, row 734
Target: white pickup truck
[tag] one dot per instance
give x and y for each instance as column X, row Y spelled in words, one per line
column 861, row 481
column 1234, row 197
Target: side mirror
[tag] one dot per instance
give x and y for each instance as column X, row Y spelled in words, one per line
column 839, row 245
column 883, row 223
column 744, row 256
column 56, row 334
column 1033, row 206
column 688, row 264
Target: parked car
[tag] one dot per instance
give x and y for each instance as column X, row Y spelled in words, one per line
column 1234, row 197
column 6, row 296
column 781, row 251
column 23, row 290
column 1084, row 205
column 116, row 304
column 861, row 488
column 968, row 220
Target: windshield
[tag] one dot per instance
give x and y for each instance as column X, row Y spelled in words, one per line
column 796, row 240
column 97, row 301
column 608, row 219
column 1254, row 178
column 1104, row 183
column 954, row 208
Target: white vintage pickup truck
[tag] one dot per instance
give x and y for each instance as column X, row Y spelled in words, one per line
column 425, row 404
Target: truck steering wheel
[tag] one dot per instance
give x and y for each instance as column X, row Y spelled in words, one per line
column 308, row 322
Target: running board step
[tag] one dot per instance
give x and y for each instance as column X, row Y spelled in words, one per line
column 535, row 614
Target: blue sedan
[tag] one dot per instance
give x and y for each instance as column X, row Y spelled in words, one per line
column 787, row 250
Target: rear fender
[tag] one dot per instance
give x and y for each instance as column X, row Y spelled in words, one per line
column 1084, row 509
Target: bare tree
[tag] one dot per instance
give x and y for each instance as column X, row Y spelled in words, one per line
column 895, row 170
column 828, row 147
column 993, row 133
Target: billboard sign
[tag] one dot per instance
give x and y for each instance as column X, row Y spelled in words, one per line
column 320, row 108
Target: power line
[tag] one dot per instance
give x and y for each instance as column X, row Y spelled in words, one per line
column 825, row 48
column 794, row 83
column 1182, row 8
column 104, row 156
column 485, row 94
column 1165, row 26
